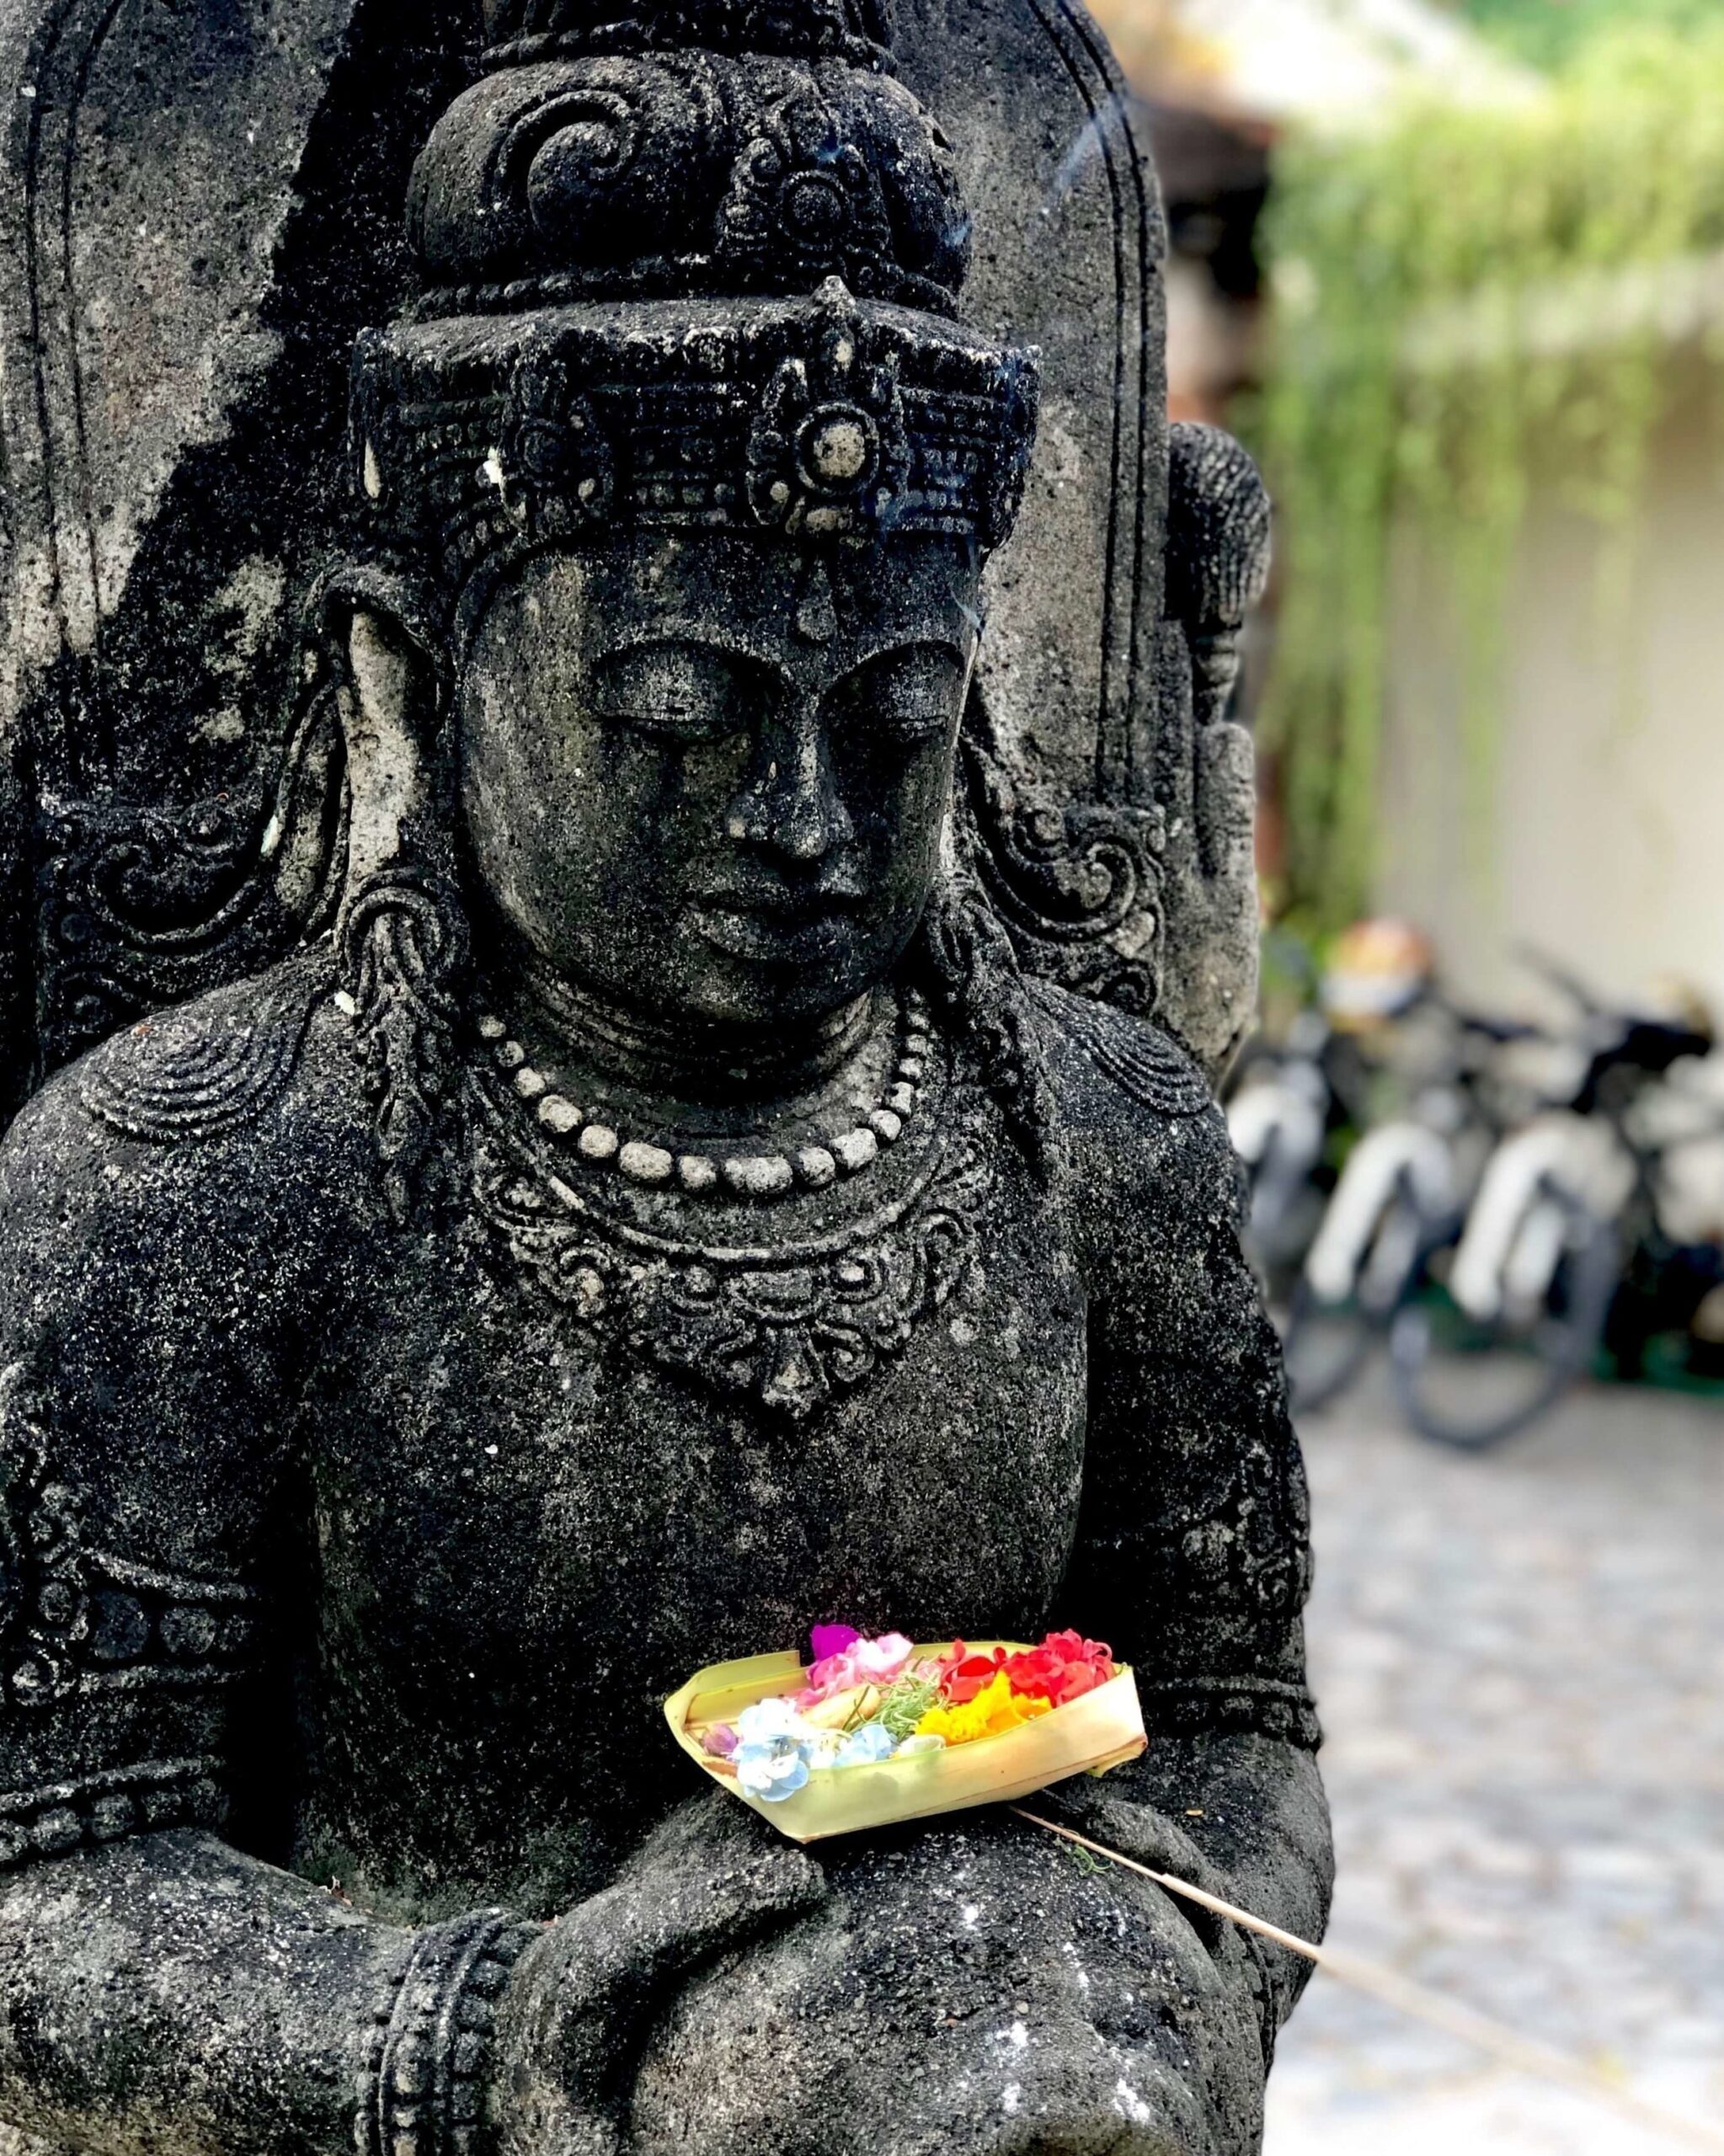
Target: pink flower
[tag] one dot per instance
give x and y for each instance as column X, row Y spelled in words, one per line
column 829, row 1640
column 863, row 1661
column 879, row 1661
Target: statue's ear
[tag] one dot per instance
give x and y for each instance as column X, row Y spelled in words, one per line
column 380, row 640
column 1220, row 530
column 400, row 936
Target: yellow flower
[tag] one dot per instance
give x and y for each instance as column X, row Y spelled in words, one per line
column 995, row 1709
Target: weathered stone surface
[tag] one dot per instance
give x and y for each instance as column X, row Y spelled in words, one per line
column 203, row 210
column 670, row 1194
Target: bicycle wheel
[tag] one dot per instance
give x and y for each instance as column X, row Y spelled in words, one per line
column 1327, row 1342
column 1471, row 1385
column 1326, row 1347
column 1284, row 1222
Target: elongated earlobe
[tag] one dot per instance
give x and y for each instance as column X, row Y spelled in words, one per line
column 401, row 937
column 383, row 719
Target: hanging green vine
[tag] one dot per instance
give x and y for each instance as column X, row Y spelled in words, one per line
column 1457, row 295
column 1550, row 32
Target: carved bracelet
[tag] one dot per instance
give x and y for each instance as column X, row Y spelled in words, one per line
column 428, row 2054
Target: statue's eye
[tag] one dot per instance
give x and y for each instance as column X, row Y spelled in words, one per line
column 911, row 694
column 679, row 691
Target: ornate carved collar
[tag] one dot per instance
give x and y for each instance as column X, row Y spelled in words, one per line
column 790, row 1306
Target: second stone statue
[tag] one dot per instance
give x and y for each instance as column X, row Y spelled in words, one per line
column 661, row 1217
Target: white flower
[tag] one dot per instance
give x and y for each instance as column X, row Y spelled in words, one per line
column 770, row 1719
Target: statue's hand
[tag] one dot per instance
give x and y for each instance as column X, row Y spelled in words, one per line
column 1218, row 526
column 582, row 1999
column 968, row 1990
column 1209, row 906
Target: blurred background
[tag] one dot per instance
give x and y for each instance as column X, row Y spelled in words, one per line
column 1454, row 268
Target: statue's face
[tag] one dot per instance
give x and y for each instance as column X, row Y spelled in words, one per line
column 707, row 775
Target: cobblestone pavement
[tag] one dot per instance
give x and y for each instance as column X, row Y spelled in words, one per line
column 1520, row 1661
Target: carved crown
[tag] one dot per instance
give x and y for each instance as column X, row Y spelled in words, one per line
column 696, row 264
column 568, row 175
column 857, row 30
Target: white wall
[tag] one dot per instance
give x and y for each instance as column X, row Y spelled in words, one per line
column 1599, row 832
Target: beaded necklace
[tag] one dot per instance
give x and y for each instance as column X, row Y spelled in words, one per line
column 737, row 1171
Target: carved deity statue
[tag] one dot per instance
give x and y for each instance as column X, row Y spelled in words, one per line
column 670, row 1206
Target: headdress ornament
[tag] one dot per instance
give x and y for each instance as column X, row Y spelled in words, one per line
column 859, row 31
column 686, row 265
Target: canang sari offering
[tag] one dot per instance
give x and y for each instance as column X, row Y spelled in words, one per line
column 874, row 1731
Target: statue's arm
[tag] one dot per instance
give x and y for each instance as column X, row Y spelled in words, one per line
column 163, row 1990
column 161, row 1985
column 1193, row 1563
column 157, row 1986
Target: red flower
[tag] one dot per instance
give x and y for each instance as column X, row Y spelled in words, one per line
column 1062, row 1668
column 963, row 1674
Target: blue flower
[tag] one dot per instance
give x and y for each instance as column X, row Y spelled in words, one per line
column 772, row 1770
column 866, row 1747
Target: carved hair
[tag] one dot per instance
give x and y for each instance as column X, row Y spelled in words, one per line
column 403, row 940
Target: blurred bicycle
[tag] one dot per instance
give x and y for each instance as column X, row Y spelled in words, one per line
column 1401, row 1199
column 1562, row 1242
column 1295, row 1104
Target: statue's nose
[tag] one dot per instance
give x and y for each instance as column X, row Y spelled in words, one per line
column 792, row 804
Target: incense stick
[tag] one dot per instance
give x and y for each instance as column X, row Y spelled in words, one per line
column 1522, row 2053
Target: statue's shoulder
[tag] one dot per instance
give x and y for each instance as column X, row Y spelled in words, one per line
column 1140, row 1131
column 257, row 1080
column 218, row 1157
column 209, row 1069
column 1104, row 1056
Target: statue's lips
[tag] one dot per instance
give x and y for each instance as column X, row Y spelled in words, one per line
column 784, row 934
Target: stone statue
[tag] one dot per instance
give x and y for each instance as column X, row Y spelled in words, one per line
column 676, row 1200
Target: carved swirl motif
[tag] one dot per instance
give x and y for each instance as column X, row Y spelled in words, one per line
column 138, row 905
column 143, row 907
column 792, row 1328
column 1078, row 887
column 681, row 172
column 577, row 150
